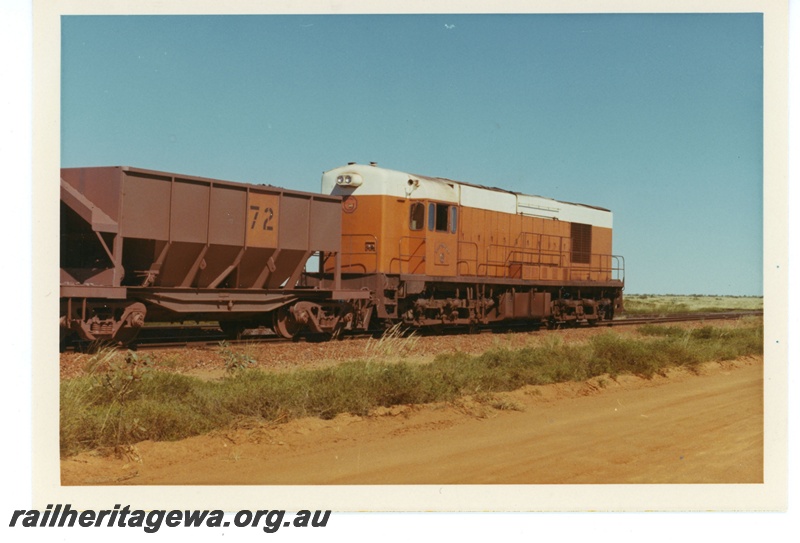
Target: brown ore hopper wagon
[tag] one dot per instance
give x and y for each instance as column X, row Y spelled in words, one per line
column 146, row 246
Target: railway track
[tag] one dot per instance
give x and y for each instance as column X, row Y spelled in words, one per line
column 686, row 317
column 202, row 336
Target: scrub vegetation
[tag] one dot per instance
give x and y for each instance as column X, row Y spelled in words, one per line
column 653, row 304
column 123, row 399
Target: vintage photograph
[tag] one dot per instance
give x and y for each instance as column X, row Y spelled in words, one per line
column 493, row 253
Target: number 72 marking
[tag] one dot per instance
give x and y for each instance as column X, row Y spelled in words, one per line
column 268, row 215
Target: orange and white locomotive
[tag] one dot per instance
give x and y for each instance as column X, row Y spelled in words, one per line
column 434, row 251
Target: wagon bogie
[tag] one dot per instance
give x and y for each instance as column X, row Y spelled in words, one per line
column 326, row 319
column 99, row 320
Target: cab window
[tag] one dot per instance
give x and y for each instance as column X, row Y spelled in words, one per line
column 417, row 216
column 442, row 217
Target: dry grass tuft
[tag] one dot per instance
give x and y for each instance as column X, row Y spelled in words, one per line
column 394, row 344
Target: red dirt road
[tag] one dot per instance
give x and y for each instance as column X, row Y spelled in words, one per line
column 683, row 428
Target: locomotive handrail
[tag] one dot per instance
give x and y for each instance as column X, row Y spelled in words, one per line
column 511, row 260
column 347, row 260
column 618, row 270
column 552, row 258
column 406, row 257
column 584, row 272
column 538, row 262
column 463, row 259
column 523, row 236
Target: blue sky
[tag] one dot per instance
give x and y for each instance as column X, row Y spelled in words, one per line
column 657, row 117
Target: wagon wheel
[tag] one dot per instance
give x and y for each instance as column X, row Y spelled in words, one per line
column 65, row 338
column 125, row 337
column 133, row 320
column 232, row 329
column 285, row 324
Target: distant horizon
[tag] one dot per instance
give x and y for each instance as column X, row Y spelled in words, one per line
column 695, row 295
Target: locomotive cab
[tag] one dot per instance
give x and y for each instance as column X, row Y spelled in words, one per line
column 395, row 223
column 442, row 239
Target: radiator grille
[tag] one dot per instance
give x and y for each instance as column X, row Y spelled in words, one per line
column 581, row 243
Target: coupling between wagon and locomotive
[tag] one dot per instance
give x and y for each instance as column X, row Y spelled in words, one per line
column 391, row 246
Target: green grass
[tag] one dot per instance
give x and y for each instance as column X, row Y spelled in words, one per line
column 124, row 400
column 648, row 304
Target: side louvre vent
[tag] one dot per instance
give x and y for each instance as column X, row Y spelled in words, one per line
column 581, row 243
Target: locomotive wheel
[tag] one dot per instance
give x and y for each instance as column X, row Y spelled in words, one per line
column 285, row 323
